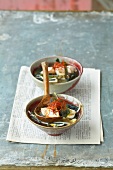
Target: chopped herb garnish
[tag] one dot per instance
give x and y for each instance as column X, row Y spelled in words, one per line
column 57, row 60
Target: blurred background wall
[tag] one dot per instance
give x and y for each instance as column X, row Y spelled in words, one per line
column 57, row 5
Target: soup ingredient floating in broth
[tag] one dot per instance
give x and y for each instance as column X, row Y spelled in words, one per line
column 57, row 109
column 59, row 72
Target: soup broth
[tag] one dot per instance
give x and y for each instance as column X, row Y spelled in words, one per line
column 59, row 72
column 63, row 112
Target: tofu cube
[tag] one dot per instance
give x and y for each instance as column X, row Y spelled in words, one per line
column 49, row 113
column 71, row 69
column 60, row 71
column 50, row 70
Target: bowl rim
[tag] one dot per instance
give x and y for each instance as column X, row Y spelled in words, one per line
column 36, row 98
column 56, row 84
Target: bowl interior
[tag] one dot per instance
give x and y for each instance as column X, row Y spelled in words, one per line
column 46, row 126
column 37, row 64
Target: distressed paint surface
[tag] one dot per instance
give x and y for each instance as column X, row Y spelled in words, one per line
column 48, row 5
column 27, row 36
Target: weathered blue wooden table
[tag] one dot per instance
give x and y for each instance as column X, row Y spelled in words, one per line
column 27, row 36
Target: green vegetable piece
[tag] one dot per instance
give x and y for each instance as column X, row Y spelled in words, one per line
column 64, row 113
column 57, row 60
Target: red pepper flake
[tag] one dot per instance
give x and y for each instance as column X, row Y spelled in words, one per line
column 57, row 105
column 59, row 64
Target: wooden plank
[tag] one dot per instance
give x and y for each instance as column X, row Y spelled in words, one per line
column 67, row 168
column 60, row 168
column 14, row 168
